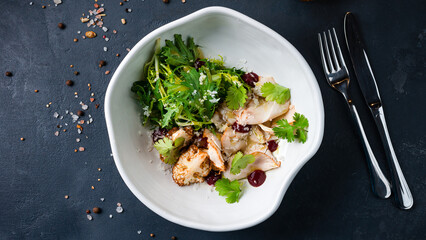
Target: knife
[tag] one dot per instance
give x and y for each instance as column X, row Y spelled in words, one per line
column 369, row 90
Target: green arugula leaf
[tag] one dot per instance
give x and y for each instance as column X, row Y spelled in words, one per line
column 240, row 162
column 173, row 93
column 177, row 53
column 236, row 97
column 168, row 149
column 168, row 117
column 228, row 189
column 296, row 130
column 275, row 92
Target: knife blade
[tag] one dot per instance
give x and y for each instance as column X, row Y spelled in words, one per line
column 368, row 85
column 363, row 72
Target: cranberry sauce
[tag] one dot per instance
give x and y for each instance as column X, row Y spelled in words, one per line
column 213, row 177
column 250, row 78
column 240, row 128
column 159, row 134
column 272, row 145
column 201, row 142
column 256, row 178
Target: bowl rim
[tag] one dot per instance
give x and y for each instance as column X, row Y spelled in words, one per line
column 153, row 35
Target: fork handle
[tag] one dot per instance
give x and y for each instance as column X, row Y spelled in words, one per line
column 402, row 192
column 380, row 184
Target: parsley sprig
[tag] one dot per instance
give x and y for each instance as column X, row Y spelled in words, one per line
column 228, row 189
column 296, row 130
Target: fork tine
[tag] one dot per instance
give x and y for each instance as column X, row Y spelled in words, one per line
column 335, row 60
column 327, row 51
column 339, row 52
column 324, row 63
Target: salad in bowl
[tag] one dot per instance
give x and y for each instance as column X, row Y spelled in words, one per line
column 214, row 123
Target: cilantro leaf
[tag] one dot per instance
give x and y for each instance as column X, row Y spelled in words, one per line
column 284, row 130
column 164, row 146
column 168, row 149
column 301, row 123
column 228, row 189
column 240, row 162
column 236, row 96
column 296, row 130
column 275, row 92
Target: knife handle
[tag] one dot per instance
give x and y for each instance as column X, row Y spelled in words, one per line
column 380, row 184
column 402, row 192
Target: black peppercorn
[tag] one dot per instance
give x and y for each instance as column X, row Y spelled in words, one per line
column 80, row 113
column 9, row 74
column 61, row 25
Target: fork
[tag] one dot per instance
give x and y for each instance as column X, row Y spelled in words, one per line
column 337, row 77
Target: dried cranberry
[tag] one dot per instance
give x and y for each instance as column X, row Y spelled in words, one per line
column 250, row 78
column 256, row 178
column 201, row 142
column 158, row 134
column 213, row 177
column 199, row 63
column 272, row 145
column 240, row 128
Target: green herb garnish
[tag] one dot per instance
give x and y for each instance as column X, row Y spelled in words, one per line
column 228, row 189
column 296, row 130
column 169, row 149
column 241, row 161
column 181, row 88
column 236, row 96
column 275, row 92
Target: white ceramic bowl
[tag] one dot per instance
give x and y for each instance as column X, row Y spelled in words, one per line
column 240, row 39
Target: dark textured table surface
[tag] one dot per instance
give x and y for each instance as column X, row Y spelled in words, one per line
column 330, row 198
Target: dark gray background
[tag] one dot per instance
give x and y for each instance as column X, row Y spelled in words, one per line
column 329, row 199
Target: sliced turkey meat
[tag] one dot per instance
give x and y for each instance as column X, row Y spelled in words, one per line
column 233, row 141
column 264, row 160
column 259, row 111
column 288, row 116
column 214, row 150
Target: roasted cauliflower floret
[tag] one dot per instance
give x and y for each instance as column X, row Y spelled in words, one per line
column 186, row 132
column 193, row 165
